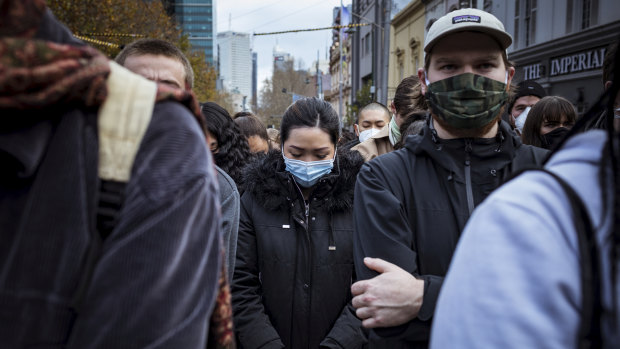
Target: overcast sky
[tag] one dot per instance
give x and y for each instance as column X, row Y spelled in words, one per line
column 259, row 16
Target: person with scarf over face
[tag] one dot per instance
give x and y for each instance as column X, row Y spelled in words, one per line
column 412, row 204
column 87, row 261
column 294, row 267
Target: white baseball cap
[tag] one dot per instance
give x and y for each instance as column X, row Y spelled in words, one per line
column 468, row 19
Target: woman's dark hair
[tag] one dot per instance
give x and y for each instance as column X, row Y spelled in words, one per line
column 233, row 149
column 408, row 98
column 251, row 126
column 242, row 113
column 550, row 108
column 310, row 112
column 610, row 159
column 346, row 136
column 411, row 126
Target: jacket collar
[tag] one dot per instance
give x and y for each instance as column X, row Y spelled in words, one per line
column 383, row 133
column 449, row 153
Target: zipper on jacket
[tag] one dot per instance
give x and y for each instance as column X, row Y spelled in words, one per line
column 468, row 186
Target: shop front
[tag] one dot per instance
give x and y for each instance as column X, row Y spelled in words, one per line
column 570, row 66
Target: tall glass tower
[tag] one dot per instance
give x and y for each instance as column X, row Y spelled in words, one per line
column 197, row 19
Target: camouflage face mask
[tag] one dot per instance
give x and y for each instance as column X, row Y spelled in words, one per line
column 467, row 100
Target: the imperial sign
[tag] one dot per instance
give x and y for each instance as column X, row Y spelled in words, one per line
column 578, row 62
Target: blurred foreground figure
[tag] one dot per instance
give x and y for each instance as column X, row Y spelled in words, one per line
column 164, row 63
column 108, row 198
column 538, row 263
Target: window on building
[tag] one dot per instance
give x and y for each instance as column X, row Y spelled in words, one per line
column 430, row 23
column 530, row 22
column 367, row 47
column 516, row 33
column 581, row 14
column 363, row 47
column 586, row 7
column 488, row 5
column 468, row 3
column 525, row 23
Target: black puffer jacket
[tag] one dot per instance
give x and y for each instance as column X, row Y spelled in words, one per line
column 294, row 266
column 412, row 204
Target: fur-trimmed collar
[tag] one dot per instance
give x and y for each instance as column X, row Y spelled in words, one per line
column 269, row 182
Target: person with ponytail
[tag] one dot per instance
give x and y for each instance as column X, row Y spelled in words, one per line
column 408, row 102
column 537, row 264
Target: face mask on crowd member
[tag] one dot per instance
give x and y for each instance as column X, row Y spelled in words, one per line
column 372, row 118
column 520, row 119
column 467, row 100
column 394, row 132
column 307, row 173
column 309, row 151
column 364, row 135
column 528, row 93
column 548, row 122
column 466, row 75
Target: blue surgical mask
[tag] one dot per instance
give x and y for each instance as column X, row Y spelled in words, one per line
column 307, row 173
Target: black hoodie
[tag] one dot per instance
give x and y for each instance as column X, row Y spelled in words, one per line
column 294, row 267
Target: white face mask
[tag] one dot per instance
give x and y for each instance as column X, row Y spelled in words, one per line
column 520, row 120
column 364, row 135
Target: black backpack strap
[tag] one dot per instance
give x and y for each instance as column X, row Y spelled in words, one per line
column 589, row 335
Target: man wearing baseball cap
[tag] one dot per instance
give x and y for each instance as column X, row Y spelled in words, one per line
column 411, row 204
column 529, row 92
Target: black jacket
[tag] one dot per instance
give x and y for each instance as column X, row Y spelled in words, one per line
column 412, row 204
column 294, row 266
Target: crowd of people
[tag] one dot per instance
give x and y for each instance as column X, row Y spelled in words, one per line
column 467, row 214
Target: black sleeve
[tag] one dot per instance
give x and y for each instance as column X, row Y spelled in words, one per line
column 253, row 327
column 383, row 230
column 157, row 276
column 347, row 331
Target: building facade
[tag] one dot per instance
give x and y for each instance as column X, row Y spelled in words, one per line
column 406, row 44
column 197, row 19
column 339, row 92
column 561, row 44
column 235, row 62
column 280, row 58
column 254, row 101
column 370, row 46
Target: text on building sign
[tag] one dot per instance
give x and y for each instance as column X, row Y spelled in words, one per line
column 574, row 63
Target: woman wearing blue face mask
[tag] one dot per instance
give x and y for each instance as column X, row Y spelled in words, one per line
column 294, row 266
